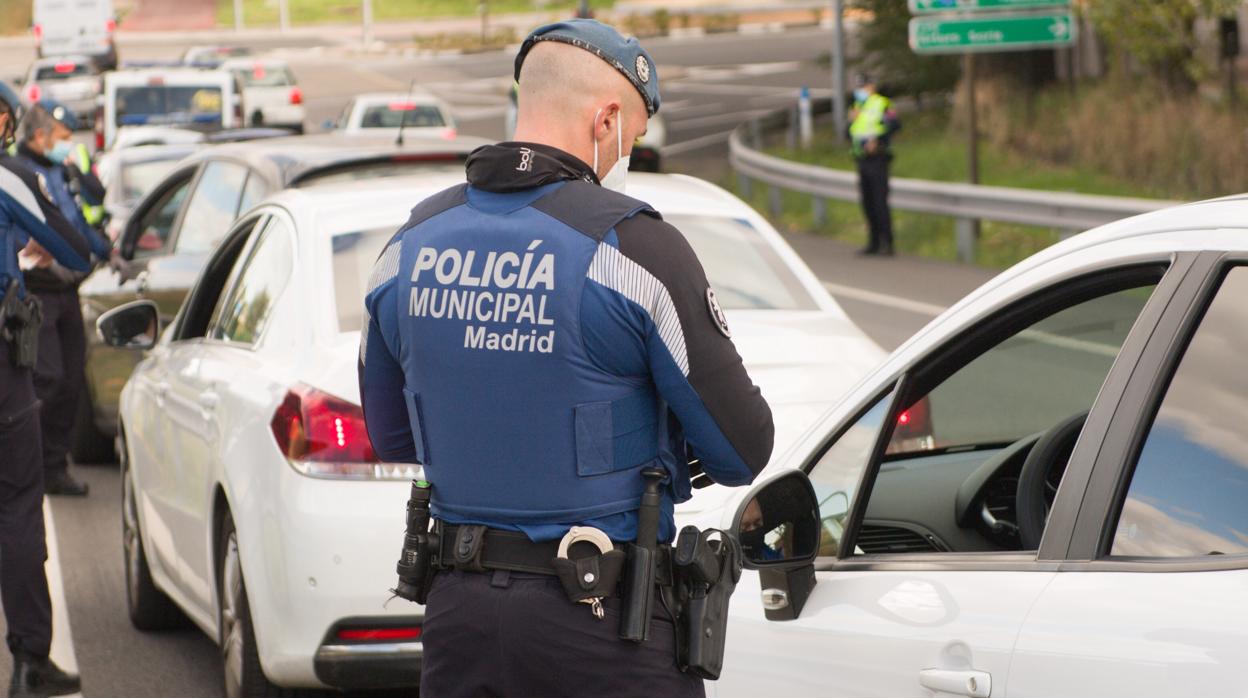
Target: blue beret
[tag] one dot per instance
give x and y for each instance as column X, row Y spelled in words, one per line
column 625, row 55
column 61, row 113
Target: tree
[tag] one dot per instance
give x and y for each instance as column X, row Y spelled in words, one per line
column 1159, row 35
column 887, row 54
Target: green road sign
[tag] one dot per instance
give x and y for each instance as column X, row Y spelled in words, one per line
column 918, row 6
column 985, row 33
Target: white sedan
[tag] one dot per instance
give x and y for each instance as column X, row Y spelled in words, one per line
column 253, row 500
column 1072, row 517
column 271, row 97
column 419, row 113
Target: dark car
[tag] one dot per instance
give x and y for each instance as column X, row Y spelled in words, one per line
column 171, row 232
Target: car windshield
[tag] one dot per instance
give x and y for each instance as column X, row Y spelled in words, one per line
column 62, row 71
column 139, row 177
column 261, row 75
column 744, row 269
column 196, row 105
column 406, row 113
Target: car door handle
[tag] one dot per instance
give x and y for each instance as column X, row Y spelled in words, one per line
column 976, row 684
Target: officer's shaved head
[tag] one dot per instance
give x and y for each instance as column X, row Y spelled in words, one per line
column 570, row 98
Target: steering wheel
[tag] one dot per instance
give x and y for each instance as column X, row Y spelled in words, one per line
column 1036, row 488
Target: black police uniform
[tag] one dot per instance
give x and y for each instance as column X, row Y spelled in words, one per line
column 26, row 213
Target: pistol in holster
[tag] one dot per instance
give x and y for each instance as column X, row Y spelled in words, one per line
column 706, row 566
column 20, row 319
column 417, row 563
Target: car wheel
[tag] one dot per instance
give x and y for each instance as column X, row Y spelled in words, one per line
column 149, row 607
column 88, row 445
column 243, row 675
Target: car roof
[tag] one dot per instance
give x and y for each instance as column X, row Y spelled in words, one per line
column 669, row 193
column 387, row 97
column 155, row 153
column 286, row 160
column 141, row 75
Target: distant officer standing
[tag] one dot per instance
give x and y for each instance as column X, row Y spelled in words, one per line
column 59, row 375
column 873, row 123
column 29, row 222
column 537, row 340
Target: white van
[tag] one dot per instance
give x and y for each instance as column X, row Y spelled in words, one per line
column 76, row 27
column 187, row 98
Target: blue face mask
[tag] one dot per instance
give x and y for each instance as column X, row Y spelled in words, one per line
column 60, row 151
column 860, row 95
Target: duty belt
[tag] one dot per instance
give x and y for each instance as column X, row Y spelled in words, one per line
column 478, row 548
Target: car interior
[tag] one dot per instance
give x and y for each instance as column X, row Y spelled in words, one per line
column 976, row 457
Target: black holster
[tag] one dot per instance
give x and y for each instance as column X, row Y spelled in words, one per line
column 20, row 319
column 421, row 546
column 706, row 567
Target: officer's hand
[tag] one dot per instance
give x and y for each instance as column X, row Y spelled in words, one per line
column 118, row 263
column 35, row 256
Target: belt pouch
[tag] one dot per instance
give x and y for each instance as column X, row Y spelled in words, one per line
column 638, row 594
column 591, row 577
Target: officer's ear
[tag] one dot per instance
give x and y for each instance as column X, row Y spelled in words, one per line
column 606, row 120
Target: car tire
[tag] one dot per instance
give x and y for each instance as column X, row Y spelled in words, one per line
column 88, row 445
column 150, row 609
column 242, row 675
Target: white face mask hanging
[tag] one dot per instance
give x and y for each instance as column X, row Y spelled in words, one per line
column 616, row 178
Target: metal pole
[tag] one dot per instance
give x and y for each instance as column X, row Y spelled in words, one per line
column 805, row 121
column 972, row 150
column 238, row 15
column 367, row 15
column 283, row 14
column 485, row 20
column 839, row 109
column 584, row 11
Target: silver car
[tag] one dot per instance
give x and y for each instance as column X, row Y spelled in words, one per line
column 71, row 80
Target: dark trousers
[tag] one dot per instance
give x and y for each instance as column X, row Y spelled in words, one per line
column 23, row 547
column 873, row 193
column 517, row 635
column 59, row 375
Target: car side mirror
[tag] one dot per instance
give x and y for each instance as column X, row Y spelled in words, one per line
column 778, row 526
column 130, row 326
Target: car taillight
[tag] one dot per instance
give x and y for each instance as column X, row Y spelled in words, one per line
column 110, row 25
column 33, row 93
column 296, row 95
column 37, row 30
column 64, row 68
column 915, row 422
column 324, row 436
column 449, row 134
column 99, row 128
column 378, row 634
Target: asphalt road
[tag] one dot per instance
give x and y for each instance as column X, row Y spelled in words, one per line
column 710, row 85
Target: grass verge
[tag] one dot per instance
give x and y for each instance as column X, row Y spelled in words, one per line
column 927, row 148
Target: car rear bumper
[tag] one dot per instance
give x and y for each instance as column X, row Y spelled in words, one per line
column 369, row 666
column 286, row 115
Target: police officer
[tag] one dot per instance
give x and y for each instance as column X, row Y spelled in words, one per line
column 536, row 339
column 873, row 123
column 59, row 375
column 29, row 223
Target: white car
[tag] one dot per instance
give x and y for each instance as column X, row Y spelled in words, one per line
column 71, row 80
column 186, row 98
column 253, row 500
column 271, row 97
column 1071, row 519
column 420, row 113
column 75, row 27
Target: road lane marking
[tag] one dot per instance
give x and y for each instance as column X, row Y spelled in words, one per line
column 874, row 298
column 62, row 636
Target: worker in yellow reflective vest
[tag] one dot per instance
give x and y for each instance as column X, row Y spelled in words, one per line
column 93, row 214
column 873, row 121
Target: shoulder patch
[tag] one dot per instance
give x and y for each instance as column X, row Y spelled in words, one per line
column 591, row 209
column 717, row 313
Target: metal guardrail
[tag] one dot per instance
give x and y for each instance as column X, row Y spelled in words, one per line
column 967, row 203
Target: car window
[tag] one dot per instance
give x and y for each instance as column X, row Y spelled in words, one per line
column 199, row 106
column 61, row 71
column 1189, row 493
column 353, row 256
column 744, row 269
column 939, row 472
column 253, row 193
column 201, row 303
column 407, row 114
column 157, row 222
column 244, row 310
column 836, row 474
column 212, row 207
column 261, row 75
column 138, row 178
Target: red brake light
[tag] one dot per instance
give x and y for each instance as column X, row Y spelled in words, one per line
column 313, row 427
column 34, row 93
column 401, row 106
column 378, row 634
column 99, row 128
column 296, row 95
column 37, row 30
column 449, row 134
column 915, row 422
column 155, row 81
column 110, row 25
column 257, row 71
column 65, row 67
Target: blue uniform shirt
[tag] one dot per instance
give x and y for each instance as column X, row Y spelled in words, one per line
column 535, row 341
column 56, row 178
column 25, row 213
